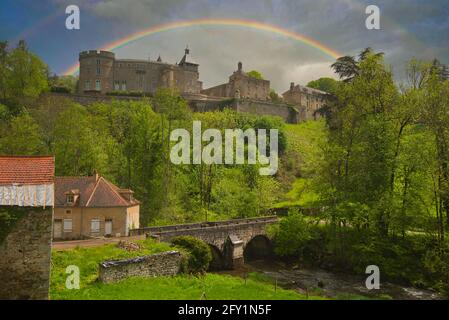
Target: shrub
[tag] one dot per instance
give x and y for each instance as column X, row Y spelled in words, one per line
column 127, row 93
column 291, row 234
column 199, row 254
column 60, row 89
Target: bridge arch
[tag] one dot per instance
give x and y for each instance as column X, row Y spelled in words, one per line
column 218, row 260
column 257, row 248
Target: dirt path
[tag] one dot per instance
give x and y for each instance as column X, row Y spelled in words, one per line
column 66, row 245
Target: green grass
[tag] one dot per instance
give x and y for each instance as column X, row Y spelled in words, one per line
column 87, row 259
column 307, row 140
column 182, row 287
column 179, row 287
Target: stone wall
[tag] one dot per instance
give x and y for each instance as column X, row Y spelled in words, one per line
column 286, row 112
column 161, row 264
column 264, row 108
column 25, row 253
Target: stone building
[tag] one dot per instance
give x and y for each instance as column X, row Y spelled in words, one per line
column 26, row 210
column 306, row 100
column 241, row 85
column 101, row 72
column 92, row 207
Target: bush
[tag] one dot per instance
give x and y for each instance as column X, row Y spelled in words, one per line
column 60, row 89
column 291, row 234
column 199, row 254
column 127, row 93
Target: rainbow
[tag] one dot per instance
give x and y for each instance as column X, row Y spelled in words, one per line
column 214, row 22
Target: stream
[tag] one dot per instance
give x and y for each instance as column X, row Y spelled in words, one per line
column 328, row 284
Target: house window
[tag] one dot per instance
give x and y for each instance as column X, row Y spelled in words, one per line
column 98, row 85
column 70, row 198
column 68, row 211
column 67, row 225
column 87, row 85
column 95, row 226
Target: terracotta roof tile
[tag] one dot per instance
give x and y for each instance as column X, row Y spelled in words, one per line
column 26, row 170
column 93, row 192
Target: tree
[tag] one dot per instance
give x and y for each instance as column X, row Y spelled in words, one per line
column 78, row 148
column 274, row 96
column 328, row 85
column 26, row 74
column 291, row 234
column 255, row 74
column 21, row 136
column 348, row 67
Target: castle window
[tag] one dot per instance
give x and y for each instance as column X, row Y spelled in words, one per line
column 98, row 85
column 116, row 85
column 98, row 66
column 87, row 85
column 124, row 85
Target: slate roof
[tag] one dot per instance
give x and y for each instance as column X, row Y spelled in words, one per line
column 26, row 170
column 94, row 191
column 187, row 59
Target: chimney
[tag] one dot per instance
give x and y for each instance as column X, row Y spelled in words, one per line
column 96, row 175
column 240, row 66
column 292, row 85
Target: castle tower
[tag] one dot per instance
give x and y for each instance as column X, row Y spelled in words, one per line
column 96, row 71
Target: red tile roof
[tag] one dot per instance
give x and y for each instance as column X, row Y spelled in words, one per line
column 26, row 170
column 94, row 191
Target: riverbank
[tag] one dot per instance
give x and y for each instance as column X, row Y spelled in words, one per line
column 319, row 282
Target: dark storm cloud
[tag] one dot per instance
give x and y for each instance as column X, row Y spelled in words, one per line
column 410, row 28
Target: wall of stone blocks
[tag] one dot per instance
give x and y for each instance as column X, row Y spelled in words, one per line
column 25, row 253
column 160, row 264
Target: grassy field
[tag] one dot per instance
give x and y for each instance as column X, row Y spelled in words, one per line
column 181, row 287
column 305, row 140
column 210, row 286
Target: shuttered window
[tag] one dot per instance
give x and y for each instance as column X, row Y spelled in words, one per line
column 95, row 225
column 67, row 225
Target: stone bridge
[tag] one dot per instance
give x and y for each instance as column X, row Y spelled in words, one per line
column 231, row 241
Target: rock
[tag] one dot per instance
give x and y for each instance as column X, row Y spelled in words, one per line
column 128, row 245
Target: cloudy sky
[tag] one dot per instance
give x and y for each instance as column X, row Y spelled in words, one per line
column 409, row 28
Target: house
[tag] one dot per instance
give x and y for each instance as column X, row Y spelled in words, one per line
column 26, row 212
column 92, row 207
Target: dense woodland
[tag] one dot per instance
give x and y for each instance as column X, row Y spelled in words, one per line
column 368, row 184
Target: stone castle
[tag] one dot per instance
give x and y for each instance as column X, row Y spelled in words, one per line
column 101, row 73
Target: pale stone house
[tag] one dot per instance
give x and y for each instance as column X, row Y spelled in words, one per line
column 92, row 207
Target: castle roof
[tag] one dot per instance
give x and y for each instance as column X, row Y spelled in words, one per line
column 307, row 90
column 187, row 59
